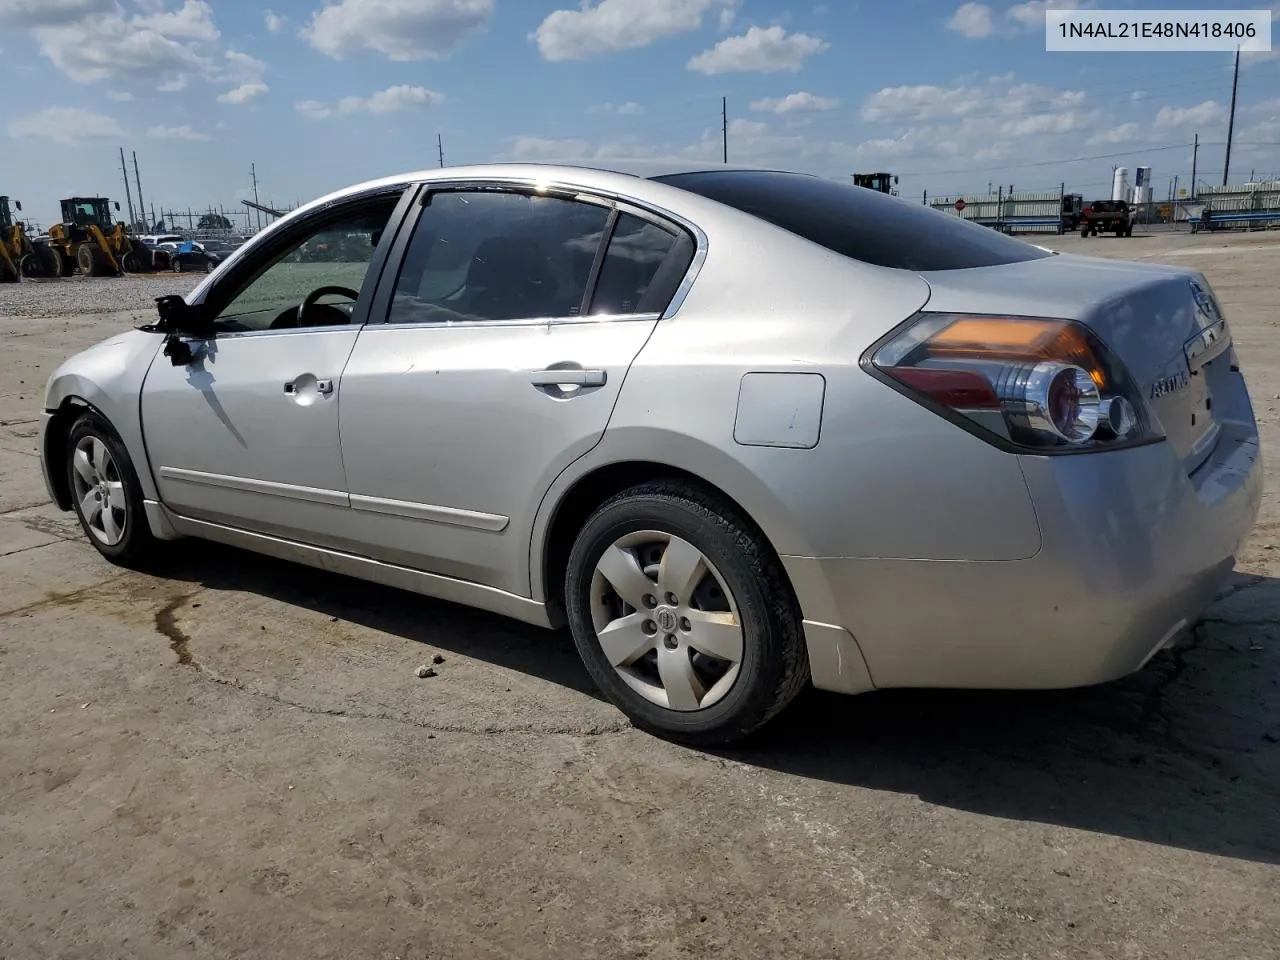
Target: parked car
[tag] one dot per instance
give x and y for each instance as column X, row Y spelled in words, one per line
column 202, row 255
column 741, row 430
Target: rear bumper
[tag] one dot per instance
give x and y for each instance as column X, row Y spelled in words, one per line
column 1133, row 551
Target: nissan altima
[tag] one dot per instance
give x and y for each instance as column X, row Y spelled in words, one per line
column 740, row 430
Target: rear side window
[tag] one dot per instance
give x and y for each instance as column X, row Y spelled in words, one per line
column 642, row 267
column 857, row 222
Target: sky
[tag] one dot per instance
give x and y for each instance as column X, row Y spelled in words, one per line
column 318, row 94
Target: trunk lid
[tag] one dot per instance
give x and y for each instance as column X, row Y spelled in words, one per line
column 1163, row 323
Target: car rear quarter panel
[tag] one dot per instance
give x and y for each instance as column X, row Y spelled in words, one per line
column 887, row 478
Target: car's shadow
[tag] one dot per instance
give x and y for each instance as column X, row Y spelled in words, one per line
column 1185, row 753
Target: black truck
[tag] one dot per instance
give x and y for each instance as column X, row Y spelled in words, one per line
column 1107, row 216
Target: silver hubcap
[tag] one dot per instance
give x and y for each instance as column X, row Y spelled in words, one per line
column 666, row 621
column 99, row 491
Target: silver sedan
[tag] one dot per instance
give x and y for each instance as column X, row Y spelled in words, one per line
column 741, row 430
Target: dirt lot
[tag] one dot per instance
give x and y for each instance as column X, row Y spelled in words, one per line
column 236, row 760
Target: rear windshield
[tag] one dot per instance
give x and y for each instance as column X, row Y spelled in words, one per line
column 1108, row 206
column 859, row 222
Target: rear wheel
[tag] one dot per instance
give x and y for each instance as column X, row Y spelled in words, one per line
column 683, row 616
column 106, row 494
column 132, row 262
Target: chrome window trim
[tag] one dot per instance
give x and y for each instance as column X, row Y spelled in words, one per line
column 283, row 331
column 520, row 322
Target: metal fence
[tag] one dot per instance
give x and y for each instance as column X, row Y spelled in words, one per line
column 1011, row 213
column 1248, row 206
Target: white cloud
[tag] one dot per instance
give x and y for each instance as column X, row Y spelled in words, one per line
column 628, row 109
column 537, row 148
column 155, row 47
column 48, row 13
column 973, row 20
column 65, row 125
column 183, row 132
column 243, row 93
column 399, row 29
column 1124, row 133
column 979, row 20
column 606, row 26
column 759, row 50
column 1188, row 116
column 998, row 96
column 794, row 103
column 392, row 99
column 119, row 96
column 1266, row 106
column 727, row 16
column 192, row 21
column 274, row 21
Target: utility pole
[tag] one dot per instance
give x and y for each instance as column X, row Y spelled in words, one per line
column 724, row 127
column 128, row 197
column 253, row 172
column 1195, row 156
column 137, row 177
column 440, row 148
column 1231, row 121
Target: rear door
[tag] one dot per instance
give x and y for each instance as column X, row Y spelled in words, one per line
column 506, row 337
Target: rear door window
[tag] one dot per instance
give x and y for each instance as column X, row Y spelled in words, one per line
column 489, row 255
column 857, row 222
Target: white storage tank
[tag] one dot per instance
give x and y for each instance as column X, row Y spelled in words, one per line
column 1120, row 185
column 1142, row 185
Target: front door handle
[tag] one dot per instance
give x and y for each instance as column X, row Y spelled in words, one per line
column 307, row 386
column 570, row 377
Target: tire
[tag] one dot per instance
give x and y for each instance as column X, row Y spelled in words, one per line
column 179, row 266
column 89, row 260
column 59, row 265
column 35, row 266
column 131, row 262
column 126, row 539
column 1084, row 233
column 741, row 577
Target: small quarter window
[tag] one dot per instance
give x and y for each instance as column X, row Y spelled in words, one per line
column 637, row 251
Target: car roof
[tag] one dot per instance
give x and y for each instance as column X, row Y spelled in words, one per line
column 593, row 172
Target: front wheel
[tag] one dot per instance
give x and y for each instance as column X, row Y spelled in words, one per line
column 683, row 615
column 106, row 494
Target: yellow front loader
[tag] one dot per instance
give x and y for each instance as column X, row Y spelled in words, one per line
column 14, row 245
column 91, row 242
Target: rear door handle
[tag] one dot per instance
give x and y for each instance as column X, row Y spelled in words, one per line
column 580, row 378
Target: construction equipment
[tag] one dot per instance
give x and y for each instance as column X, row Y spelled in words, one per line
column 882, row 182
column 90, row 241
column 14, row 245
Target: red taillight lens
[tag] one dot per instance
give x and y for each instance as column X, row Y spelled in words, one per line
column 1036, row 383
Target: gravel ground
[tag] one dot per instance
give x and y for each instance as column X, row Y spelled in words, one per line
column 237, row 758
column 92, row 296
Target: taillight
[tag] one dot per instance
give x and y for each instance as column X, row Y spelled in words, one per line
column 1036, row 384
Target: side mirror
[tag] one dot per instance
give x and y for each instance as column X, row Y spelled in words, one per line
column 179, row 319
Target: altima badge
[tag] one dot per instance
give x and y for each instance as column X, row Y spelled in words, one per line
column 1163, row 386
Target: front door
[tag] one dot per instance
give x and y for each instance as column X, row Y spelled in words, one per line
column 507, row 336
column 246, row 434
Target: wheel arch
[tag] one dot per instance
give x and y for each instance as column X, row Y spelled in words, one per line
column 576, row 494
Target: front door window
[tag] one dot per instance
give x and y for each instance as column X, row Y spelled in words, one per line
column 336, row 254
